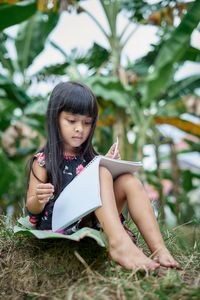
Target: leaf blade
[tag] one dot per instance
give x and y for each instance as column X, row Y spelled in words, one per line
column 16, row 13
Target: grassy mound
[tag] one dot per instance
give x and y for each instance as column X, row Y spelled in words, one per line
column 60, row 269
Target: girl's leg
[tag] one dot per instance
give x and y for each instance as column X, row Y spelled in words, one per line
column 129, row 188
column 121, row 247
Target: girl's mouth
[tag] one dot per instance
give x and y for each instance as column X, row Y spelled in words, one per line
column 77, row 137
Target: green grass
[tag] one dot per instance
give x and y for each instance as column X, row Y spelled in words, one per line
column 62, row 269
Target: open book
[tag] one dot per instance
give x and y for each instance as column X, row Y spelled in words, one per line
column 82, row 195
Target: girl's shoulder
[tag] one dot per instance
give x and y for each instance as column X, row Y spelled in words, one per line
column 40, row 158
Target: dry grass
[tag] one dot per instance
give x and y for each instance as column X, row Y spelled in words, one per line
column 61, row 269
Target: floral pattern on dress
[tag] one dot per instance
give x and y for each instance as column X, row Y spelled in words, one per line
column 70, row 157
column 40, row 156
column 79, row 169
column 65, row 171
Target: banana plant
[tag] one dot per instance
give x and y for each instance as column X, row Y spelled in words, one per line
column 117, row 41
column 31, row 38
column 160, row 97
column 15, row 103
column 154, row 89
column 12, row 14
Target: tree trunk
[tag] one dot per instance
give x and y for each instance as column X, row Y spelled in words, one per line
column 160, row 186
column 175, row 178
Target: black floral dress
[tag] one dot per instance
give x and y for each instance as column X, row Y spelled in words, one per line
column 71, row 167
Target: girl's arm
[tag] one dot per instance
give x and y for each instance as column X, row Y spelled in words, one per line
column 38, row 193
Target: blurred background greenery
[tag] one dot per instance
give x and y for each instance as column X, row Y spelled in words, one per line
column 134, row 97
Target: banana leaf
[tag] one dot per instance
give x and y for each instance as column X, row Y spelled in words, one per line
column 171, row 52
column 110, row 89
column 184, row 125
column 57, row 69
column 7, row 173
column 28, row 229
column 32, row 36
column 13, row 91
column 5, row 59
column 11, row 14
column 7, row 107
column 195, row 146
column 36, row 108
column 96, row 56
column 183, row 87
column 173, row 108
column 192, row 54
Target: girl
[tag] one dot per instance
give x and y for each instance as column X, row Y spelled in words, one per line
column 71, row 119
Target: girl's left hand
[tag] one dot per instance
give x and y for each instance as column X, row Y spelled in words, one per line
column 111, row 151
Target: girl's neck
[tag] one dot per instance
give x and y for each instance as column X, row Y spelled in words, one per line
column 71, row 154
column 74, row 152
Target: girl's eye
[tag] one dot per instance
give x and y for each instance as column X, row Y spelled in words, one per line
column 88, row 123
column 71, row 121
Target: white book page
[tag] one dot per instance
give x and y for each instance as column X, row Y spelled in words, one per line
column 82, row 195
column 118, row 167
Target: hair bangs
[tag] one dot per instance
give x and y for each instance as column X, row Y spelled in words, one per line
column 80, row 101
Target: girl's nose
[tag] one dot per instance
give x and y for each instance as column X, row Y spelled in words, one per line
column 79, row 128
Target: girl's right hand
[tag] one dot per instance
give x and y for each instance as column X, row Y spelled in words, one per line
column 44, row 191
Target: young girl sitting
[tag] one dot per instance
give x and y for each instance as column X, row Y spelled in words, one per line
column 71, row 119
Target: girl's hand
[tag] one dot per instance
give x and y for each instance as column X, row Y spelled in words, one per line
column 44, row 191
column 111, row 151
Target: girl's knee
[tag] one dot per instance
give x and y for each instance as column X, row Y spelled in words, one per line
column 131, row 180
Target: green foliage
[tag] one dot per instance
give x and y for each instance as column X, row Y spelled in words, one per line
column 7, row 173
column 183, row 87
column 171, row 52
column 11, row 14
column 96, row 56
column 110, row 89
column 195, row 146
column 32, row 35
column 141, row 65
column 14, row 92
column 5, row 60
column 139, row 10
column 7, row 107
column 191, row 54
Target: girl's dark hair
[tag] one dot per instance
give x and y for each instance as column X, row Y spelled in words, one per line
column 77, row 98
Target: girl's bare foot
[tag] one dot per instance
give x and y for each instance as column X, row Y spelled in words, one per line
column 165, row 259
column 125, row 253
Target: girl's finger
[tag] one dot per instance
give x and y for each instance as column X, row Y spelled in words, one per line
column 45, row 186
column 44, row 196
column 112, row 148
column 117, row 156
column 44, row 191
column 44, row 200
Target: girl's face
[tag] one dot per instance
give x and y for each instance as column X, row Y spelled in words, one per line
column 74, row 129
